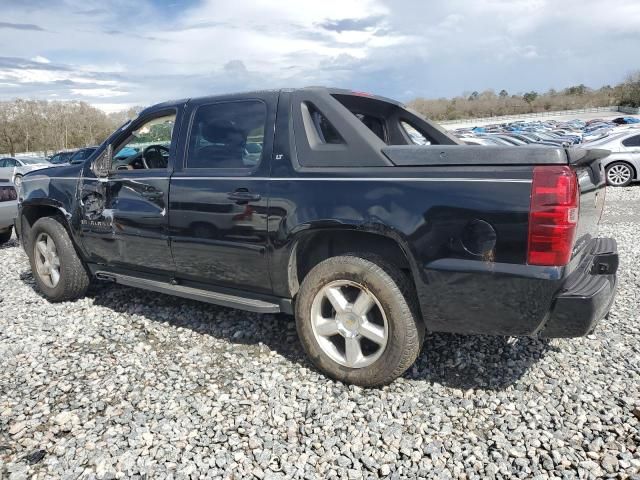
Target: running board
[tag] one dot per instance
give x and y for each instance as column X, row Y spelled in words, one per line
column 216, row 298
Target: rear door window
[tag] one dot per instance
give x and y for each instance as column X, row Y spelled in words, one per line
column 227, row 135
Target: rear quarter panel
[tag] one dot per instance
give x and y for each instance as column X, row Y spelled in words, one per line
column 428, row 212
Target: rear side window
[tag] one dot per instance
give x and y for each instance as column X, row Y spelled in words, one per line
column 414, row 135
column 227, row 135
column 375, row 124
column 632, row 141
column 318, row 127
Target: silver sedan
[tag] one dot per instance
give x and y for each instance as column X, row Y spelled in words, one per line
column 622, row 166
column 12, row 169
column 8, row 210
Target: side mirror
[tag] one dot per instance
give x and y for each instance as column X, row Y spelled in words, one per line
column 102, row 164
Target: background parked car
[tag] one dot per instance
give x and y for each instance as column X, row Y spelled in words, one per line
column 12, row 169
column 82, row 154
column 62, row 157
column 126, row 152
column 8, row 210
column 621, row 136
column 623, row 165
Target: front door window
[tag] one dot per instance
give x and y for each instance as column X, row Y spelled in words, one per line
column 147, row 147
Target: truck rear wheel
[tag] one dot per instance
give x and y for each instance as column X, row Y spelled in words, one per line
column 358, row 321
column 56, row 266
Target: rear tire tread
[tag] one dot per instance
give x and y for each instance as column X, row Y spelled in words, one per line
column 407, row 320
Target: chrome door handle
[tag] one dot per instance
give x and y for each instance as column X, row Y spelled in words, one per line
column 243, row 196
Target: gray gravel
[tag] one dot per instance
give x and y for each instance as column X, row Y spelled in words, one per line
column 131, row 384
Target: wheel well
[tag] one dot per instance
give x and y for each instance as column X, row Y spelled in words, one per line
column 629, row 164
column 318, row 246
column 32, row 213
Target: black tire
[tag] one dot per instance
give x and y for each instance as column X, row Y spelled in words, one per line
column 619, row 167
column 396, row 297
column 5, row 235
column 74, row 279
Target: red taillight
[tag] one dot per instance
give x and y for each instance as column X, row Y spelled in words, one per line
column 553, row 215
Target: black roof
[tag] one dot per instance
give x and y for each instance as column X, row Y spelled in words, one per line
column 317, row 89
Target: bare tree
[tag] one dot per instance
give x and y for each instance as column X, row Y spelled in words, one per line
column 629, row 91
column 488, row 104
column 36, row 125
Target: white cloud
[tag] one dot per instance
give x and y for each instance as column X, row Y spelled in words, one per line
column 101, row 49
column 40, row 59
column 112, row 107
column 98, row 92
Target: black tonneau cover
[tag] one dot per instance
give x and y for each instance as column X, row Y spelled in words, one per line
column 450, row 155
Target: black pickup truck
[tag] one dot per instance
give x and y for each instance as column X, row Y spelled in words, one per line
column 366, row 221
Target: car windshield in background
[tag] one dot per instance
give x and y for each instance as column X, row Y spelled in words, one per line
column 62, row 157
column 82, row 155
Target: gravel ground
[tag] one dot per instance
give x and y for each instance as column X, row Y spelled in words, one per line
column 132, row 384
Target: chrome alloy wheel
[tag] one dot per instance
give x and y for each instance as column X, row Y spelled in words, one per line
column 619, row 174
column 47, row 260
column 349, row 324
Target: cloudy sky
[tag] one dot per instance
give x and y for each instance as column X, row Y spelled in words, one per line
column 117, row 53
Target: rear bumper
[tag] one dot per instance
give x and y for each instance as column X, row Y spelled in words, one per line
column 474, row 297
column 586, row 295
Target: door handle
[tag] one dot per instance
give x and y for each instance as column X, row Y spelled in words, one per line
column 243, row 196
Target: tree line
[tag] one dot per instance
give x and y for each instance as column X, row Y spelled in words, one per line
column 489, row 104
column 44, row 126
column 50, row 126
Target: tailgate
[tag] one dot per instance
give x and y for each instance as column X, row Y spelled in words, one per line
column 591, row 179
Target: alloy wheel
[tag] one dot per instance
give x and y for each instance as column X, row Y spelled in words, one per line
column 619, row 174
column 349, row 324
column 47, row 260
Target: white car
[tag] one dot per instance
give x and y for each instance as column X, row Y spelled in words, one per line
column 8, row 210
column 12, row 169
column 622, row 166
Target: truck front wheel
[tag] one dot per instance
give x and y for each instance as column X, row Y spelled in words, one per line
column 56, row 266
column 358, row 321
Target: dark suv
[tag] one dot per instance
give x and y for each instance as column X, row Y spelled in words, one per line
column 368, row 222
column 73, row 156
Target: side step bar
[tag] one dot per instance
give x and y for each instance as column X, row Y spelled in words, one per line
column 216, row 298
